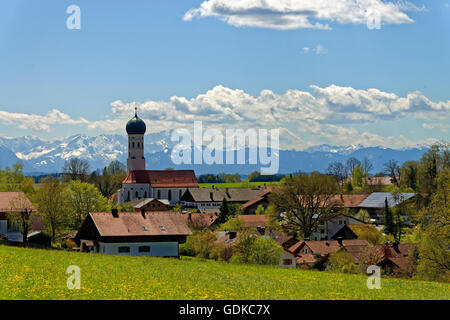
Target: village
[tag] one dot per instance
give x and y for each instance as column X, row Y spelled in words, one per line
column 307, row 221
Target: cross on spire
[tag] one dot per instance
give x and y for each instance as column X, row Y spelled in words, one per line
column 135, row 111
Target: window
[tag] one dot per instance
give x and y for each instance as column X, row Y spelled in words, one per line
column 139, row 145
column 137, row 194
column 144, row 249
column 305, row 251
column 133, row 145
column 287, row 262
column 179, row 194
column 124, row 249
column 145, row 194
column 170, row 195
column 340, row 221
column 159, row 194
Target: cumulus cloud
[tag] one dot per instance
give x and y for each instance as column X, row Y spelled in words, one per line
column 328, row 113
column 39, row 122
column 302, row 14
column 323, row 115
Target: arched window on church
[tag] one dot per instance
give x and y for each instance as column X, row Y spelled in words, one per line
column 128, row 196
column 170, row 195
column 159, row 194
column 145, row 194
column 133, row 145
column 139, row 145
column 137, row 194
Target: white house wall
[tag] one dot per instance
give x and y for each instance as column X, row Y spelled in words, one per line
column 157, row 249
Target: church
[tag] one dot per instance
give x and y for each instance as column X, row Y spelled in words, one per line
column 141, row 183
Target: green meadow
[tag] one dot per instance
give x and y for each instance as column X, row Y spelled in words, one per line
column 41, row 274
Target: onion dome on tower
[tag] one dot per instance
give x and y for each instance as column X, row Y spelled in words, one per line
column 136, row 125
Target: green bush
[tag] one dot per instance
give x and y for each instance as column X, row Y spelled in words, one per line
column 200, row 244
column 341, row 261
column 250, row 249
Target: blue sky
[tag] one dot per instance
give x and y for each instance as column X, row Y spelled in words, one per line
column 143, row 53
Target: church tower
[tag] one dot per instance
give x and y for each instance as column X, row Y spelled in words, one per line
column 136, row 130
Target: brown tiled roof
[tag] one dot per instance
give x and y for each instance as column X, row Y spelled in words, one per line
column 305, row 258
column 134, row 224
column 257, row 199
column 254, row 220
column 282, row 239
column 350, row 200
column 231, row 194
column 7, row 196
column 356, row 251
column 325, row 247
column 401, row 262
column 205, row 219
column 163, row 178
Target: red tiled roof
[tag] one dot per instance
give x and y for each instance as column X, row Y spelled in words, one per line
column 163, row 178
column 134, row 224
column 206, row 219
column 7, row 196
column 254, row 220
column 325, row 247
column 350, row 200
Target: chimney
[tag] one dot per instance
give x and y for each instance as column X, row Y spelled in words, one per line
column 143, row 213
column 339, row 240
column 395, row 246
column 115, row 213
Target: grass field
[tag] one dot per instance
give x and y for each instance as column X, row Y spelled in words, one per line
column 41, row 274
column 237, row 184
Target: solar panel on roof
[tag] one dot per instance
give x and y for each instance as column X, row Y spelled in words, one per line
column 377, row 199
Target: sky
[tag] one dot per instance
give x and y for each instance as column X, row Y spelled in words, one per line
column 336, row 72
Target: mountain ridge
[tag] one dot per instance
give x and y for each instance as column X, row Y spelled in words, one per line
column 43, row 157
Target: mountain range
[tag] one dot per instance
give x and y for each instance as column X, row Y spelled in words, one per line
column 43, row 157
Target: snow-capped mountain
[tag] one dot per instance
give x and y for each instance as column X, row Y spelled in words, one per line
column 41, row 156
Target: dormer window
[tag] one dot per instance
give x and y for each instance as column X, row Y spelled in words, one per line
column 162, row 228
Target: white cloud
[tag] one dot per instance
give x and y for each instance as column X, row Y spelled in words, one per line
column 39, row 122
column 324, row 115
column 318, row 49
column 302, row 14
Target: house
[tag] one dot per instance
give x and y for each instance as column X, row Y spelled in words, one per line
column 201, row 221
column 308, row 251
column 329, row 228
column 10, row 231
column 288, row 259
column 141, row 183
column 378, row 181
column 160, row 184
column 375, row 203
column 261, row 200
column 396, row 257
column 353, row 231
column 285, row 241
column 150, row 204
column 133, row 233
column 211, row 198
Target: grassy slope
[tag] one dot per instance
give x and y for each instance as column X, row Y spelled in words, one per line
column 237, row 184
column 39, row 274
